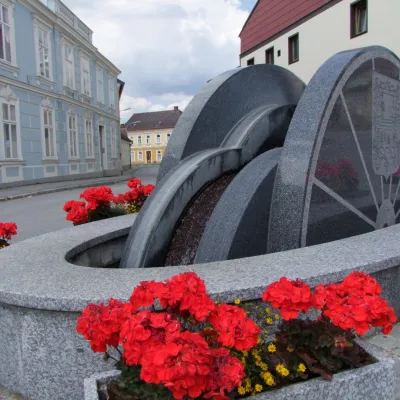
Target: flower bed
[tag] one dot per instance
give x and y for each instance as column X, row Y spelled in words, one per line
column 7, row 231
column 100, row 203
column 195, row 348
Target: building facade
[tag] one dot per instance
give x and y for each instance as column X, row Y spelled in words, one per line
column 125, row 149
column 300, row 35
column 149, row 133
column 58, row 95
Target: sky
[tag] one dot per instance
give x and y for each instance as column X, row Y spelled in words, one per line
column 166, row 49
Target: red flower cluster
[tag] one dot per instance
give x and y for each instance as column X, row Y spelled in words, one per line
column 76, row 212
column 101, row 324
column 181, row 360
column 290, row 297
column 98, row 197
column 7, row 230
column 356, row 303
column 79, row 212
column 234, row 328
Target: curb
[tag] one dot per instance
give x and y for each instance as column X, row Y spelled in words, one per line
column 63, row 189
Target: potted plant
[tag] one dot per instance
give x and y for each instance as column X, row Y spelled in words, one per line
column 175, row 343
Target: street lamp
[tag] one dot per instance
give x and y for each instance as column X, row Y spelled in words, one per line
column 127, row 109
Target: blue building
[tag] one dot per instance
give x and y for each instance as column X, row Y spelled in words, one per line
column 59, row 97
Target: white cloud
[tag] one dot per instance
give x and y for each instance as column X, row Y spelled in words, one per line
column 166, row 49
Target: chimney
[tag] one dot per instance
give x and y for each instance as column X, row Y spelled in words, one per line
column 176, row 108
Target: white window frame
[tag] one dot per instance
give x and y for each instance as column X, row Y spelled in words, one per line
column 111, row 91
column 113, row 140
column 7, row 96
column 89, row 144
column 100, row 83
column 47, row 106
column 64, row 44
column 168, row 137
column 85, row 59
column 148, row 139
column 71, row 113
column 39, row 25
column 158, row 139
column 10, row 65
column 140, row 155
column 159, row 155
column 139, row 140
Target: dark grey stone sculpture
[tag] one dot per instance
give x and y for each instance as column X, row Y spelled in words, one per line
column 255, row 122
column 222, row 103
column 239, row 224
column 339, row 172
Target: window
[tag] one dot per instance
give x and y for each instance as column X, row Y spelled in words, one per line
column 269, row 56
column 168, row 136
column 250, row 61
column 85, row 71
column 89, row 137
column 5, row 34
column 148, row 139
column 140, row 156
column 159, row 155
column 139, row 140
column 294, row 49
column 43, row 51
column 10, row 131
column 48, row 129
column 68, row 64
column 113, row 141
column 73, row 140
column 279, row 53
column 359, row 18
column 158, row 139
column 100, row 85
column 111, row 87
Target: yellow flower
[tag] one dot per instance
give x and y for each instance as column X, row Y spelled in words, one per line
column 301, row 368
column 290, row 349
column 277, row 317
column 243, row 360
column 241, row 390
column 268, row 378
column 245, row 353
column 247, row 382
column 272, row 348
column 237, row 302
column 268, row 311
column 282, row 370
column 259, row 388
column 258, row 340
column 269, row 321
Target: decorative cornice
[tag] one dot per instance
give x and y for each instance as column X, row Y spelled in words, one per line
column 71, row 110
column 88, row 115
column 7, row 93
column 101, row 121
column 47, row 104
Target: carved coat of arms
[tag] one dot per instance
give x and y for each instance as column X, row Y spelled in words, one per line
column 385, row 125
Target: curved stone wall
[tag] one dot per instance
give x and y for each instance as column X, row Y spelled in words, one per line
column 41, row 295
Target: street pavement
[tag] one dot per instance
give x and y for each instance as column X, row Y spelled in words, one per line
column 42, row 214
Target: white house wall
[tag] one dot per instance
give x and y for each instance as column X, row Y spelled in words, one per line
column 329, row 33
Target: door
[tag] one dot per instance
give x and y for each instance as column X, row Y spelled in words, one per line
column 148, row 157
column 103, row 154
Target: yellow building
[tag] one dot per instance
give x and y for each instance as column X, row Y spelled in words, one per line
column 149, row 133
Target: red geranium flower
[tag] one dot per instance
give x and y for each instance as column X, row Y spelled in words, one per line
column 134, row 183
column 7, row 230
column 235, row 329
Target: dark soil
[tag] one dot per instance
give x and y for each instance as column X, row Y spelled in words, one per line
column 189, row 231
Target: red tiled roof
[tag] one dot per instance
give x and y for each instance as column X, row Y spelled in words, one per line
column 270, row 17
column 153, row 120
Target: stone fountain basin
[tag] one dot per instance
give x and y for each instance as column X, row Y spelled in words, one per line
column 373, row 382
column 42, row 294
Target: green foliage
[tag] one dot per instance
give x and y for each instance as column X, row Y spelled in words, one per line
column 130, row 387
column 323, row 347
column 105, row 212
